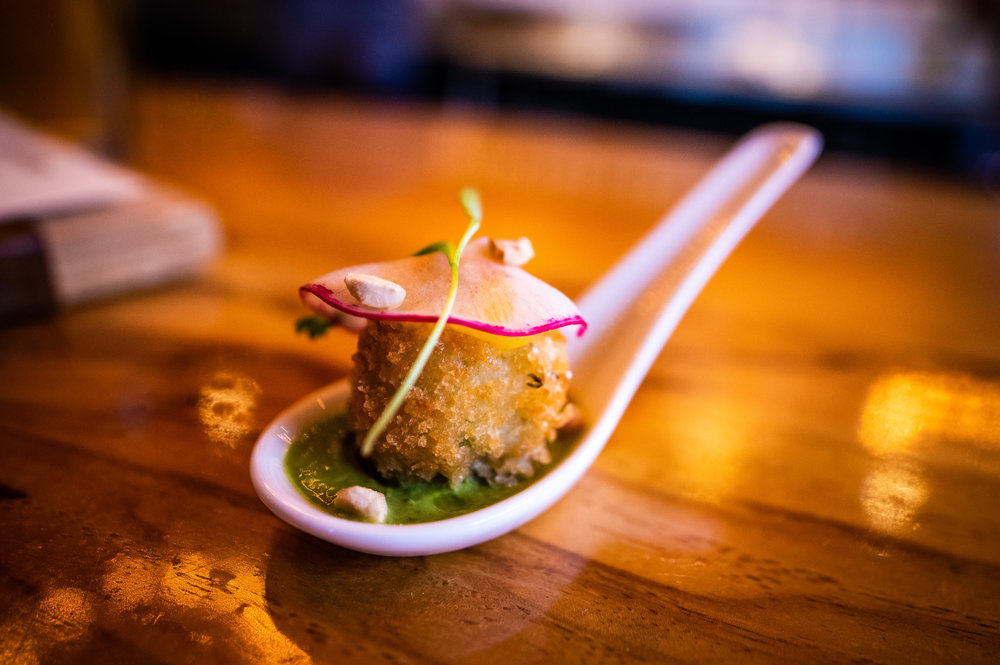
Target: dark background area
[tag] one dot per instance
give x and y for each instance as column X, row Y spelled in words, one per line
column 915, row 82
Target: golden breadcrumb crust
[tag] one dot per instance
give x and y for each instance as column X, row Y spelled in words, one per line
column 478, row 408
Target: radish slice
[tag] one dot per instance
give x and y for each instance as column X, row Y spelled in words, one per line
column 492, row 297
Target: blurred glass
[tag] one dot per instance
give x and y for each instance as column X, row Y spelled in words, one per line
column 62, row 68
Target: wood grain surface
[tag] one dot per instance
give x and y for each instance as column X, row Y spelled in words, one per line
column 810, row 473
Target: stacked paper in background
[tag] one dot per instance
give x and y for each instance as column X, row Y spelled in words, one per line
column 75, row 227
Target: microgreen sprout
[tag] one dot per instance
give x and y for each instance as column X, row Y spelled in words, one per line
column 473, row 208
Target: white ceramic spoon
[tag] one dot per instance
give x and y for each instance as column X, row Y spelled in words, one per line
column 631, row 312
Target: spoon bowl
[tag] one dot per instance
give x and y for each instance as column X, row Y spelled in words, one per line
column 631, row 312
column 279, row 494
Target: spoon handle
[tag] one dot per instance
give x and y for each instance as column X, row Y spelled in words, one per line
column 636, row 306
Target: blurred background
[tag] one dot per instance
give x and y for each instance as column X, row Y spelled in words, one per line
column 915, row 82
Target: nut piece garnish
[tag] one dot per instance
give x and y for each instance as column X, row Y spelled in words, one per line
column 374, row 291
column 512, row 252
column 363, row 502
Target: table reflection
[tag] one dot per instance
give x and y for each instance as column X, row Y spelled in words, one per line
column 905, row 415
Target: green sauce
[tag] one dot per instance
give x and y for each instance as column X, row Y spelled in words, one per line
column 322, row 460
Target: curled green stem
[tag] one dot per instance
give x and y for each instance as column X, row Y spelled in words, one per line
column 473, row 208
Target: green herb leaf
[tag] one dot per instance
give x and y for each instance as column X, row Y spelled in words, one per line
column 473, row 208
column 444, row 247
column 313, row 325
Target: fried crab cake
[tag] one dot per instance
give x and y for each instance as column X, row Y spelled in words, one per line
column 483, row 406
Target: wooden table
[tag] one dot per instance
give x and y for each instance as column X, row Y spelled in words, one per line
column 810, row 473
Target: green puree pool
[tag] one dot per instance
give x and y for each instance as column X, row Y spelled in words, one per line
column 321, row 460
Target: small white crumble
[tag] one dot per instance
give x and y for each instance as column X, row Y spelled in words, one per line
column 512, row 252
column 363, row 502
column 375, row 291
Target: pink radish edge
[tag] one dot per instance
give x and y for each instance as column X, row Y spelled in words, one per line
column 326, row 296
column 493, row 298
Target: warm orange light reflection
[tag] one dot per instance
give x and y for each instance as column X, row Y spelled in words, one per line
column 892, row 494
column 901, row 408
column 907, row 409
column 229, row 591
column 62, row 615
column 226, row 407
